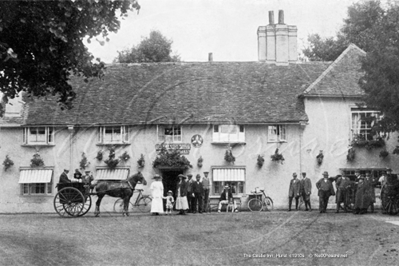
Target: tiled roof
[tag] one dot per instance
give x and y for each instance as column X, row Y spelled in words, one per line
column 341, row 77
column 240, row 92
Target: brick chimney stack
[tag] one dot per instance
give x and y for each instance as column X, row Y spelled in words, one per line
column 277, row 43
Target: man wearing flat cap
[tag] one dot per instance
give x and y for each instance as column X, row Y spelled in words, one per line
column 206, row 187
column 306, row 190
column 326, row 190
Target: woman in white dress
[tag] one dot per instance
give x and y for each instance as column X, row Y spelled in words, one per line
column 181, row 200
column 157, row 196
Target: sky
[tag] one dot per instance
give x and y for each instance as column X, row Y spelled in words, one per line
column 225, row 28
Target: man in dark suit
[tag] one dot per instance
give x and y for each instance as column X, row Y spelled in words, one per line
column 225, row 198
column 198, row 191
column 190, row 194
column 64, row 177
column 343, row 185
column 326, row 190
column 294, row 191
column 306, row 190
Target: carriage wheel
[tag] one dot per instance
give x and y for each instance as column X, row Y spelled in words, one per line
column 118, row 206
column 86, row 205
column 392, row 206
column 144, row 204
column 69, row 201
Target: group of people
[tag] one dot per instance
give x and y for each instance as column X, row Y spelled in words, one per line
column 192, row 195
column 86, row 178
column 360, row 192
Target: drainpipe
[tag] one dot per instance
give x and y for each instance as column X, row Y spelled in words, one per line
column 302, row 128
column 70, row 129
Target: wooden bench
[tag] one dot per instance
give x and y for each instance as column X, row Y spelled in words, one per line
column 214, row 203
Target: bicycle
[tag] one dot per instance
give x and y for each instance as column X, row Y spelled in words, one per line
column 265, row 203
column 143, row 202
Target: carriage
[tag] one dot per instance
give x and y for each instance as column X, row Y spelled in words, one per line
column 390, row 195
column 72, row 199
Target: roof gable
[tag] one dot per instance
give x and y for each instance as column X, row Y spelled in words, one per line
column 230, row 92
column 341, row 77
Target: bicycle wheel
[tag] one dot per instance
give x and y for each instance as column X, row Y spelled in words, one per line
column 144, row 204
column 255, row 205
column 118, row 206
column 268, row 203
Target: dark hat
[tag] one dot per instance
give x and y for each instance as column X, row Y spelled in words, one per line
column 304, row 173
column 198, row 175
column 87, row 171
column 325, row 173
column 206, row 172
column 190, row 175
column 66, row 170
column 157, row 176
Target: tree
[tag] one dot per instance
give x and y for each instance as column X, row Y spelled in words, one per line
column 359, row 28
column 381, row 67
column 42, row 43
column 155, row 48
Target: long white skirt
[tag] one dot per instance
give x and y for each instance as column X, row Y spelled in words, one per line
column 157, row 205
column 181, row 203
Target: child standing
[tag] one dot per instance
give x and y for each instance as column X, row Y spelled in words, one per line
column 169, row 202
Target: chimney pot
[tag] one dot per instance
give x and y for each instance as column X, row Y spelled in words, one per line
column 210, row 57
column 271, row 18
column 281, row 17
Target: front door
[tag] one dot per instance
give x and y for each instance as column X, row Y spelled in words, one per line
column 170, row 180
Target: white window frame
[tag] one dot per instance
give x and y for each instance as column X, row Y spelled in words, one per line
column 277, row 133
column 361, row 128
column 172, row 136
column 228, row 133
column 47, row 137
column 105, row 137
column 33, row 189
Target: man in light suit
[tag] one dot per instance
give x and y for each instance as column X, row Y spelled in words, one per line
column 326, row 190
column 294, row 191
column 306, row 190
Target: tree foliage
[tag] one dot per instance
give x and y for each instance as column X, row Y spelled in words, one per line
column 42, row 43
column 359, row 28
column 155, row 48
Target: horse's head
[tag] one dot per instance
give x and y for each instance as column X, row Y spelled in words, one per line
column 138, row 178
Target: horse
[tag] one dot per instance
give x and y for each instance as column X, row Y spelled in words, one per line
column 118, row 188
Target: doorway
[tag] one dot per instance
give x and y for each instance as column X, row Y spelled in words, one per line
column 170, row 181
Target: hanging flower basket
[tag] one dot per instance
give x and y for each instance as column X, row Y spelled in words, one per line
column 228, row 156
column 277, row 157
column 320, row 158
column 141, row 161
column 83, row 163
column 111, row 162
column 124, row 157
column 171, row 159
column 350, row 157
column 396, row 150
column 7, row 163
column 384, row 154
column 99, row 155
column 360, row 142
column 260, row 161
column 36, row 161
column 200, row 161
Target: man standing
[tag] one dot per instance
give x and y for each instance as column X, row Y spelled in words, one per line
column 293, row 191
column 326, row 190
column 64, row 177
column 306, row 190
column 198, row 191
column 343, row 184
column 206, row 187
column 370, row 183
column 190, row 194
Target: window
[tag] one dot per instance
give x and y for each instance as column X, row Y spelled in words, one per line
column 169, row 133
column 375, row 173
column 113, row 135
column 228, row 133
column 362, row 123
column 276, row 133
column 232, row 177
column 36, row 181
column 39, row 135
